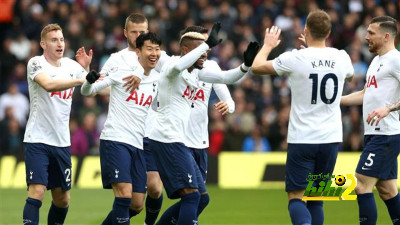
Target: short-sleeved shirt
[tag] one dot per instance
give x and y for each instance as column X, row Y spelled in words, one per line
column 316, row 78
column 49, row 114
column 383, row 87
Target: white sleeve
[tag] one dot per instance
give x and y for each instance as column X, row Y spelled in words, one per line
column 223, row 94
column 34, row 68
column 88, row 89
column 222, row 77
column 187, row 60
column 163, row 58
column 284, row 63
column 349, row 68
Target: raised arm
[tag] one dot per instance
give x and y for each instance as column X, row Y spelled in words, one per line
column 191, row 57
column 231, row 76
column 84, row 59
column 271, row 40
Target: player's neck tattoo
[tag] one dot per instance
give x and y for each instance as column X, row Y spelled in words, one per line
column 394, row 106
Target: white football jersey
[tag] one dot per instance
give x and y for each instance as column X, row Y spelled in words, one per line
column 197, row 130
column 127, row 111
column 49, row 114
column 316, row 78
column 176, row 93
column 174, row 100
column 383, row 87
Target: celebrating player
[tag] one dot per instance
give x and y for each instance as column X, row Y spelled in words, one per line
column 51, row 80
column 380, row 100
column 121, row 142
column 317, row 76
column 179, row 78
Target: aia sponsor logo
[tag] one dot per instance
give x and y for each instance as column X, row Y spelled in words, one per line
column 371, row 81
column 140, row 99
column 67, row 94
column 193, row 94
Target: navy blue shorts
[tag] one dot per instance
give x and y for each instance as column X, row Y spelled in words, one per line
column 379, row 157
column 305, row 159
column 48, row 165
column 122, row 163
column 150, row 163
column 177, row 168
column 200, row 156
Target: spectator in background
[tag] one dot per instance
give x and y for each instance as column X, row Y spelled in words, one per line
column 256, row 142
column 168, row 17
column 85, row 139
column 13, row 98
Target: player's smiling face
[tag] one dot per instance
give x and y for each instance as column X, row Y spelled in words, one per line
column 375, row 37
column 53, row 45
column 132, row 31
column 149, row 55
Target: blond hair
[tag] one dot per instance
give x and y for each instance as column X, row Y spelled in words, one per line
column 48, row 28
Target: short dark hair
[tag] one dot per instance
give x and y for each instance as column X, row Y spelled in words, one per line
column 386, row 23
column 150, row 36
column 198, row 29
column 135, row 18
column 319, row 24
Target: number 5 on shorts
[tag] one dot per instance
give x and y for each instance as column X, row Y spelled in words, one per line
column 370, row 161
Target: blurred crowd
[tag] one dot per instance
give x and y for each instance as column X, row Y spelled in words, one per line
column 260, row 120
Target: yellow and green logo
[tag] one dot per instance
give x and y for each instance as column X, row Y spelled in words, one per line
column 326, row 192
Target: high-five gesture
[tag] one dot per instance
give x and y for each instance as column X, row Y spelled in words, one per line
column 84, row 59
column 250, row 53
column 271, row 38
column 213, row 40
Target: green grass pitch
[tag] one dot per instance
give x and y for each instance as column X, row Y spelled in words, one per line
column 227, row 206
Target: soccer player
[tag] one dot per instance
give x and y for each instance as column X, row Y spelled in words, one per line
column 380, row 99
column 135, row 25
column 51, row 79
column 316, row 75
column 179, row 78
column 121, row 142
column 196, row 138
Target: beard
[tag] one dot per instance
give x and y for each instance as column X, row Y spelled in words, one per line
column 131, row 44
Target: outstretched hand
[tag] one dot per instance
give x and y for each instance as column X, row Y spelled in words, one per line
column 92, row 76
column 213, row 40
column 250, row 53
column 271, row 38
column 82, row 58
